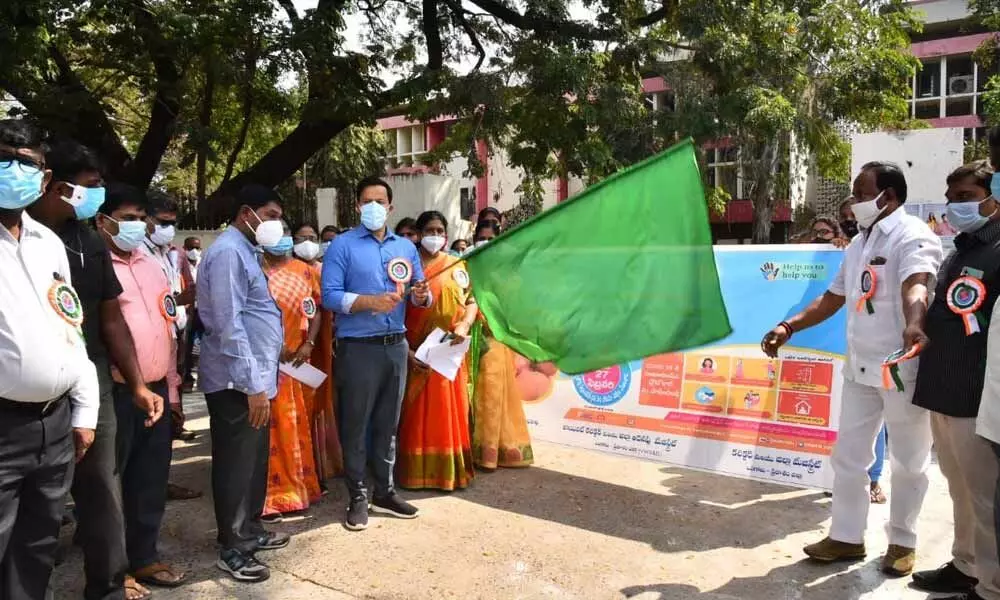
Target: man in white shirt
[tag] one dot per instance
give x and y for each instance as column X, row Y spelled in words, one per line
column 49, row 395
column 885, row 281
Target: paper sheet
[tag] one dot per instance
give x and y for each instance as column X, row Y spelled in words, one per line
column 438, row 353
column 306, row 373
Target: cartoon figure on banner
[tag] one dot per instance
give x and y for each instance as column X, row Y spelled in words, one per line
column 751, row 400
column 771, row 374
column 707, row 366
column 704, row 395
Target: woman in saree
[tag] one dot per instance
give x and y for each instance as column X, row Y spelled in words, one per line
column 435, row 450
column 320, row 402
column 500, row 437
column 291, row 481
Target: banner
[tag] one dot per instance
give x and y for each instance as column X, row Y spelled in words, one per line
column 725, row 407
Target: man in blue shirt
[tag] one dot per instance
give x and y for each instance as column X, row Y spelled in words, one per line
column 239, row 375
column 372, row 351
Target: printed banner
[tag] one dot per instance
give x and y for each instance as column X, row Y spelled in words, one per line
column 726, row 407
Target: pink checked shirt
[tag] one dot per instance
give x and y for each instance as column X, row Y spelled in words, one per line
column 143, row 285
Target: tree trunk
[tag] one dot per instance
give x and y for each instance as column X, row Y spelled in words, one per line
column 205, row 120
column 347, row 216
column 766, row 161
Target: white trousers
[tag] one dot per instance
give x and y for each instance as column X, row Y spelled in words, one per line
column 968, row 463
column 863, row 409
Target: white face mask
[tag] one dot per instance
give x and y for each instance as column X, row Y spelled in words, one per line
column 324, row 247
column 307, row 250
column 480, row 243
column 162, row 236
column 194, row 255
column 433, row 243
column 267, row 233
column 866, row 213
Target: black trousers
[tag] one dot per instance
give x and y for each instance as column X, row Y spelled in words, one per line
column 144, row 464
column 36, row 470
column 371, row 381
column 97, row 494
column 239, row 470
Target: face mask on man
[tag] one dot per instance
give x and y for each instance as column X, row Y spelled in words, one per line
column 965, row 217
column 194, row 255
column 373, row 216
column 850, row 228
column 20, row 185
column 868, row 212
column 162, row 235
column 433, row 243
column 282, row 248
column 267, row 233
column 84, row 200
column 307, row 250
column 130, row 234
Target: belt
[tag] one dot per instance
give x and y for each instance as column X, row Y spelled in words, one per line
column 378, row 340
column 40, row 409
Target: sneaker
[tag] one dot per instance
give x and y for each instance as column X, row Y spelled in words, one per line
column 242, row 567
column 394, row 505
column 829, row 550
column 357, row 514
column 273, row 540
column 899, row 560
column 946, row 580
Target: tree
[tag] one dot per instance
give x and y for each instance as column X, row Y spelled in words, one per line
column 143, row 81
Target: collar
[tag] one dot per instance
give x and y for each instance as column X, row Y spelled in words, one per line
column 890, row 222
column 30, row 228
column 987, row 234
column 135, row 257
column 364, row 231
column 233, row 232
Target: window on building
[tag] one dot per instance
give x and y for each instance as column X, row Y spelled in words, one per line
column 405, row 145
column 949, row 86
column 660, row 101
column 467, row 203
column 723, row 171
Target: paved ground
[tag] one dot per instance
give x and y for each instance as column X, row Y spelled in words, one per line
column 579, row 525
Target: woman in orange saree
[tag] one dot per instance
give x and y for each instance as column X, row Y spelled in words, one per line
column 326, row 441
column 435, row 450
column 500, row 437
column 291, row 479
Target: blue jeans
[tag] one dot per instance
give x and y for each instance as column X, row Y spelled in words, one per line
column 875, row 472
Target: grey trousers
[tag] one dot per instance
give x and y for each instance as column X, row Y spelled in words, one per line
column 97, row 492
column 371, row 380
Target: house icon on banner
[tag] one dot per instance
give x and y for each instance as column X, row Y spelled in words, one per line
column 803, row 408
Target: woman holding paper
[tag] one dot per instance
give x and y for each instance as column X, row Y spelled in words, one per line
column 292, row 483
column 435, row 450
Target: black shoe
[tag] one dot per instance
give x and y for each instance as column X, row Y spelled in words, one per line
column 272, row 519
column 357, row 514
column 242, row 567
column 947, row 579
column 184, row 435
column 970, row 595
column 394, row 505
column 273, row 540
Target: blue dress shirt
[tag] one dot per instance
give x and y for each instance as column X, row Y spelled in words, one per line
column 243, row 332
column 356, row 264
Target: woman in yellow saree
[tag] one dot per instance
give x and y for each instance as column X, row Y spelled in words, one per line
column 500, row 437
column 435, row 450
column 292, row 484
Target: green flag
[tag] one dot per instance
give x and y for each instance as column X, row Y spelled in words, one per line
column 622, row 271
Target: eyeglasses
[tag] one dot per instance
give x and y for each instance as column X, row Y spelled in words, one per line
column 26, row 164
column 822, row 232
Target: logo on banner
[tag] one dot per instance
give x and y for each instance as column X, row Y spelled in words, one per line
column 604, row 387
column 772, row 271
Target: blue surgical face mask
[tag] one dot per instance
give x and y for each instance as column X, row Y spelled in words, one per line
column 373, row 216
column 85, row 201
column 130, row 234
column 965, row 217
column 20, row 185
column 995, row 187
column 323, row 248
column 282, row 248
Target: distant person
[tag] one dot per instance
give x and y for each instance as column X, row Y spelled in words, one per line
column 326, row 237
column 905, row 256
column 490, row 215
column 407, row 228
column 848, row 224
column 240, row 350
column 458, row 247
column 945, row 228
column 372, row 352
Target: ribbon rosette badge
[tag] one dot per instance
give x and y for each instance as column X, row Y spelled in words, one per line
column 309, row 307
column 868, row 282
column 66, row 303
column 890, row 367
column 401, row 272
column 965, row 297
column 168, row 306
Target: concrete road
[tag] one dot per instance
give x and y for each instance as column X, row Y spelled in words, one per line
column 578, row 525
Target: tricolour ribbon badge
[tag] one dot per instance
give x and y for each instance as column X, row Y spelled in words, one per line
column 890, row 367
column 868, row 282
column 66, row 303
column 168, row 307
column 965, row 297
column 401, row 272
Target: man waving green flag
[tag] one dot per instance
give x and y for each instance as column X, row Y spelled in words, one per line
column 622, row 271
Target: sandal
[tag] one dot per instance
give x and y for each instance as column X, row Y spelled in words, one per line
column 134, row 591
column 159, row 574
column 876, row 494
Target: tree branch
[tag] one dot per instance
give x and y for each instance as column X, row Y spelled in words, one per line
column 292, row 12
column 571, row 28
column 250, row 66
column 432, row 34
column 459, row 15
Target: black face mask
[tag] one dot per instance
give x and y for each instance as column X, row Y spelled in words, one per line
column 819, row 240
column 850, row 228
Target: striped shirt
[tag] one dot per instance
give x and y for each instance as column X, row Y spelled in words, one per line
column 953, row 366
